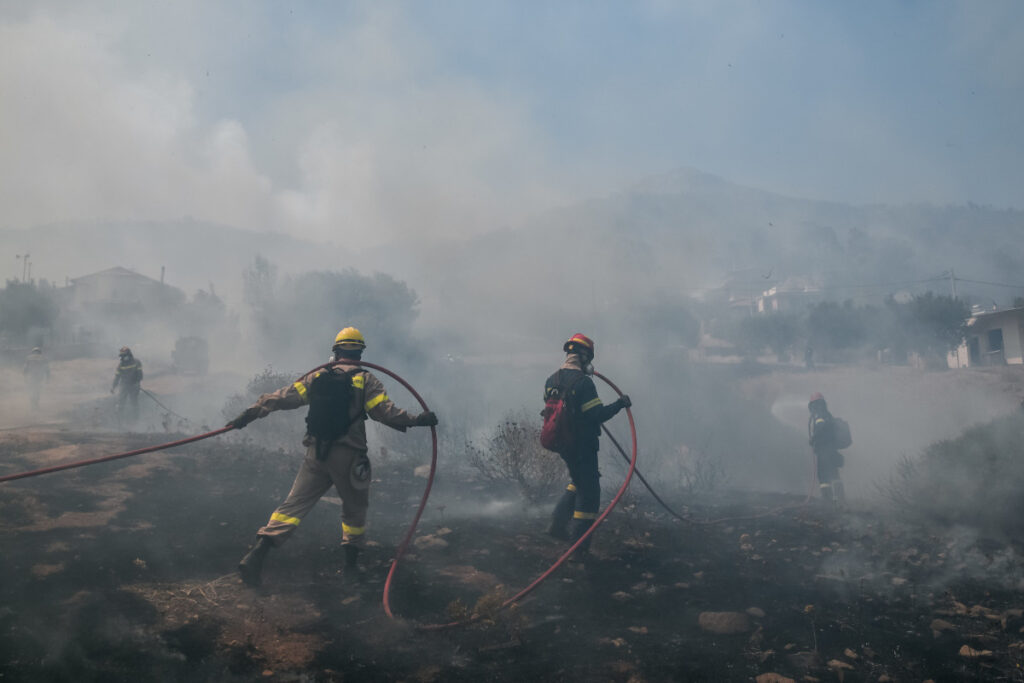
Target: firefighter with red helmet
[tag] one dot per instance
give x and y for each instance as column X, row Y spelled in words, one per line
column 339, row 399
column 821, row 434
column 581, row 500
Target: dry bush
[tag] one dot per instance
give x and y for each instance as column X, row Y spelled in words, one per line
column 700, row 472
column 280, row 430
column 513, row 455
column 975, row 479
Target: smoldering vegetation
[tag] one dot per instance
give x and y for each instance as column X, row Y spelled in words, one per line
column 974, row 480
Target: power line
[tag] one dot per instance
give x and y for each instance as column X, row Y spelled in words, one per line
column 992, row 284
column 865, row 285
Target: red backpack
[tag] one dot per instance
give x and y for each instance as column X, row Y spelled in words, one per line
column 556, row 434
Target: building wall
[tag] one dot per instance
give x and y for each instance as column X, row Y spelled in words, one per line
column 1012, row 326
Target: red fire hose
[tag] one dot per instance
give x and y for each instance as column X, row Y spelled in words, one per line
column 568, row 553
column 116, row 456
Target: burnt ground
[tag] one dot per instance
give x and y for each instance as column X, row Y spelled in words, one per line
column 125, row 572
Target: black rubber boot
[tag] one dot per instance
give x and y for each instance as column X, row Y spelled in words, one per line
column 251, row 566
column 579, row 527
column 351, row 571
column 561, row 516
column 351, row 556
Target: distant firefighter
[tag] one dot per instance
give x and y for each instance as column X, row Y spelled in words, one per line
column 339, row 399
column 37, row 371
column 571, row 390
column 128, row 380
column 827, row 435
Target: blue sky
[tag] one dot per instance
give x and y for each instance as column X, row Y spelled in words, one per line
column 367, row 122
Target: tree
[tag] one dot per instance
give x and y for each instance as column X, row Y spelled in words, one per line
column 835, row 327
column 25, row 308
column 777, row 331
column 299, row 318
column 936, row 324
column 258, row 282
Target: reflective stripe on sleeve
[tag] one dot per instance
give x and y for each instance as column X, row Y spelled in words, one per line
column 592, row 403
column 352, row 530
column 301, row 388
column 358, row 381
column 570, row 487
column 376, row 400
column 584, row 515
column 284, row 519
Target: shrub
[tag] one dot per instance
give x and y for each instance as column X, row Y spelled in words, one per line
column 277, row 430
column 975, row 479
column 513, row 455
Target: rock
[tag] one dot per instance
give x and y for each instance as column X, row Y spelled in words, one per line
column 621, row 596
column 898, row 581
column 756, row 612
column 430, row 541
column 839, row 665
column 773, row 678
column 850, row 654
column 805, row 661
column 971, row 653
column 939, row 626
column 724, row 623
column 423, row 471
column 617, row 642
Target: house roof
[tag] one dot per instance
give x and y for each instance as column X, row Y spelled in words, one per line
column 116, row 271
column 980, row 315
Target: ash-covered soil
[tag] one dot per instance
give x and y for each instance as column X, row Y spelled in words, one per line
column 125, row 572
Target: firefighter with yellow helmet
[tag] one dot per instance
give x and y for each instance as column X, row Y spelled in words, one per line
column 128, row 383
column 340, row 399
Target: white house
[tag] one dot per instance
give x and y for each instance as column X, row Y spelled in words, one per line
column 993, row 338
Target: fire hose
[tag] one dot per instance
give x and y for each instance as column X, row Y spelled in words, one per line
column 572, row 549
column 157, row 401
column 116, row 456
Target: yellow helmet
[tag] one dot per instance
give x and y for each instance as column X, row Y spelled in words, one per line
column 350, row 338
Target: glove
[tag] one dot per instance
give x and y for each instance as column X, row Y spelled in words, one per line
column 247, row 416
column 426, row 419
column 624, row 401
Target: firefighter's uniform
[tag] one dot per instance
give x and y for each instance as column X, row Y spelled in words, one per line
column 828, row 459
column 128, row 379
column 582, row 498
column 346, row 465
column 36, row 371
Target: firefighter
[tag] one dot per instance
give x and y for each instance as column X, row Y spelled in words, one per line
column 37, row 371
column 821, row 433
column 127, row 378
column 339, row 399
column 581, row 500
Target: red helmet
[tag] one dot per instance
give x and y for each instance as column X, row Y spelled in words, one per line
column 816, row 396
column 579, row 342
